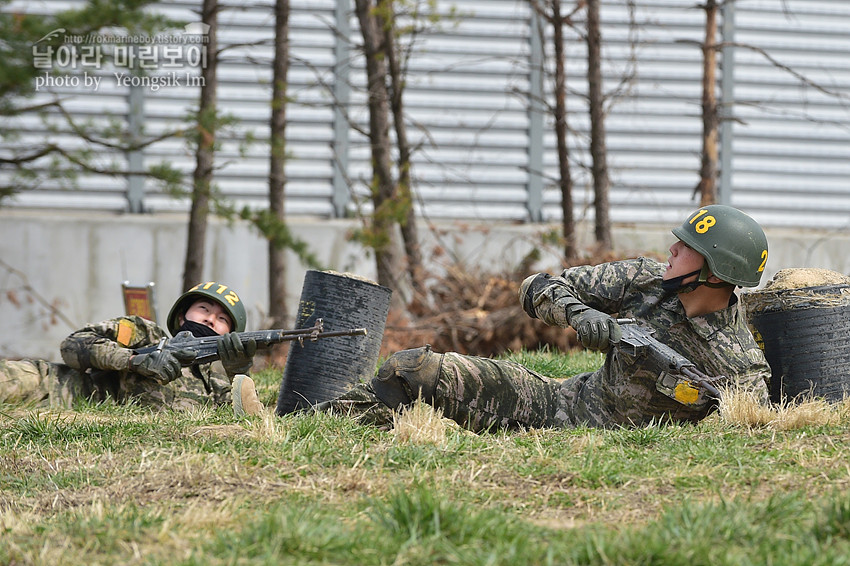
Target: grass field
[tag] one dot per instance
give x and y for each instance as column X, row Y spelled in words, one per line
column 106, row 484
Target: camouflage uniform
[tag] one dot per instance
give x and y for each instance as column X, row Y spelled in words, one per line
column 97, row 358
column 482, row 393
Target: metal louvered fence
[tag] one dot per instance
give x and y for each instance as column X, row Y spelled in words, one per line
column 484, row 149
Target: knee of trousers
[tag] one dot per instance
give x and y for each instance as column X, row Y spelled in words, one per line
column 408, row 375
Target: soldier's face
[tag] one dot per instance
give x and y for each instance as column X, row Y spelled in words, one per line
column 211, row 314
column 683, row 260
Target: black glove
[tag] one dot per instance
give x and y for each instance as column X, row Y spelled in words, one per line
column 596, row 330
column 236, row 357
column 162, row 366
column 529, row 288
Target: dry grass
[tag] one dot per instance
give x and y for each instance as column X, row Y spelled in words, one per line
column 742, row 408
column 814, row 412
column 420, row 424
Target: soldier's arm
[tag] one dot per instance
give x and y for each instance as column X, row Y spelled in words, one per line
column 109, row 344
column 753, row 380
column 600, row 287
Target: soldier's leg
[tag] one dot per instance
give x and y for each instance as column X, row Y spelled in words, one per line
column 477, row 393
column 23, row 381
column 362, row 404
column 39, row 381
column 482, row 393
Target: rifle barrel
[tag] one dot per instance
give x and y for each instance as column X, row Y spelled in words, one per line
column 206, row 347
column 265, row 338
column 350, row 332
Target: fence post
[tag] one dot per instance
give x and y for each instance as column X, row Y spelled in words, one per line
column 135, row 157
column 534, row 202
column 342, row 97
column 726, row 108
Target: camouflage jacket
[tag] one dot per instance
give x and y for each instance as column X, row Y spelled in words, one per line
column 101, row 353
column 719, row 343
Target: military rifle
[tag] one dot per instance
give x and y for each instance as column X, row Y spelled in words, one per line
column 206, row 347
column 679, row 378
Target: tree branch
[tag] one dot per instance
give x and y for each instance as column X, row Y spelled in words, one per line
column 26, row 286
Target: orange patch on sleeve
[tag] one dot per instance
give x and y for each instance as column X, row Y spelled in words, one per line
column 125, row 332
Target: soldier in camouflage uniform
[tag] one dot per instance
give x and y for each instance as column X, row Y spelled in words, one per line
column 689, row 303
column 100, row 362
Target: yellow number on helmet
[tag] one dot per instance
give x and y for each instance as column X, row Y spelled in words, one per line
column 703, row 225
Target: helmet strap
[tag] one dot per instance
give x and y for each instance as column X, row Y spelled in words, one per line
column 675, row 284
column 704, row 274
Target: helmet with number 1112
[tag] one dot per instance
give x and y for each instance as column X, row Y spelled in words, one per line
column 218, row 292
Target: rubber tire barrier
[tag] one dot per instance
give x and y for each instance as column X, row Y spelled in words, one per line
column 806, row 344
column 322, row 370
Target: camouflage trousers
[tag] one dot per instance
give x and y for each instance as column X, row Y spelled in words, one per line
column 477, row 393
column 482, row 393
column 39, row 382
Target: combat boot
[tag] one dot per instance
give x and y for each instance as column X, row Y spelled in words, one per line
column 245, row 398
column 406, row 376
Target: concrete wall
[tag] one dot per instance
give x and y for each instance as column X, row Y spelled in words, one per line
column 75, row 262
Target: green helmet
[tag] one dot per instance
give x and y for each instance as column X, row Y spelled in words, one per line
column 733, row 244
column 217, row 292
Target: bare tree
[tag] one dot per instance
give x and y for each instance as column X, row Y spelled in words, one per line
column 707, row 186
column 397, row 76
column 598, row 148
column 277, row 174
column 551, row 11
column 554, row 18
column 205, row 153
column 381, row 235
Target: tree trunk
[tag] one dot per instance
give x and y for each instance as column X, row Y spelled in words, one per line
column 707, row 187
column 277, row 174
column 409, row 233
column 598, row 149
column 561, row 129
column 383, row 235
column 205, row 154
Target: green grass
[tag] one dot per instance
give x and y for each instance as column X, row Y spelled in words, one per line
column 106, row 484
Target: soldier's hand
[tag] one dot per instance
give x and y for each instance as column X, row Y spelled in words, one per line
column 162, row 366
column 236, row 357
column 529, row 288
column 596, row 330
